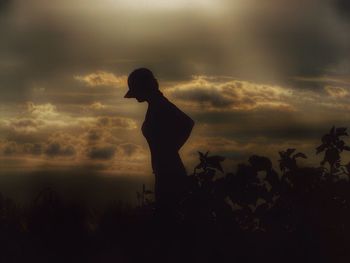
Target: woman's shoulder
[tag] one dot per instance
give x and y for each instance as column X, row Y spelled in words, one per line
column 167, row 110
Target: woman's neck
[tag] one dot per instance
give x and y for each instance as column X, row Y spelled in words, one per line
column 155, row 98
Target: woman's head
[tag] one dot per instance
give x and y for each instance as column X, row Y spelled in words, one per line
column 142, row 84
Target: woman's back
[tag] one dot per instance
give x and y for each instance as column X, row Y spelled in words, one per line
column 166, row 129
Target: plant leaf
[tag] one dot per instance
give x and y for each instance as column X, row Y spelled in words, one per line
column 332, row 131
column 346, row 148
column 215, row 162
column 199, row 166
column 282, row 166
column 290, row 151
column 320, row 148
column 341, row 131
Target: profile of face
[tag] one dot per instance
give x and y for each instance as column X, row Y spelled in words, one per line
column 139, row 91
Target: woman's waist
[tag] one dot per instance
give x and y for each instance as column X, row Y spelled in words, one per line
column 166, row 158
column 167, row 163
column 164, row 153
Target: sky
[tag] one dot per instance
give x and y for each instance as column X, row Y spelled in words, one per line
column 257, row 77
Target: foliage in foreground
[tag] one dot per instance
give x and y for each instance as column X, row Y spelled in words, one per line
column 253, row 214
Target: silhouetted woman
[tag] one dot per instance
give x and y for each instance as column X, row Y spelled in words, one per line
column 166, row 129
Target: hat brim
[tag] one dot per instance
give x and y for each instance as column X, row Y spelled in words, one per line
column 129, row 94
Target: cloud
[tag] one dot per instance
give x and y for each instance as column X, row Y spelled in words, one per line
column 131, row 152
column 209, row 93
column 102, row 152
column 274, row 45
column 343, row 7
column 116, row 122
column 43, row 118
column 25, row 125
column 13, row 148
column 97, row 106
column 33, row 148
column 289, row 66
column 47, row 110
column 336, row 92
column 204, row 96
column 101, row 78
column 130, row 149
column 94, row 135
column 9, row 148
column 62, row 145
column 4, row 6
column 54, row 149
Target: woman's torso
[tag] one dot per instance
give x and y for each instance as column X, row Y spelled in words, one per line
column 159, row 133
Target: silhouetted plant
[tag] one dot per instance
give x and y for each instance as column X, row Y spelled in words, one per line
column 260, row 163
column 207, row 167
column 347, row 166
column 288, row 161
column 333, row 145
column 264, row 164
column 204, row 192
column 144, row 198
column 209, row 162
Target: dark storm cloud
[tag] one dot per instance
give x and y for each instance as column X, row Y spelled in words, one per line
column 130, row 149
column 307, row 41
column 102, row 152
column 10, row 148
column 269, row 124
column 33, row 148
column 24, row 137
column 94, row 135
column 38, row 48
column 56, row 149
column 274, row 44
column 4, row 6
column 204, row 96
column 61, row 144
column 343, row 7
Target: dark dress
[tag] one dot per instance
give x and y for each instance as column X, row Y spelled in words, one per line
column 166, row 129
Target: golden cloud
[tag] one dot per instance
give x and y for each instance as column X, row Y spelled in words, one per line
column 117, row 122
column 43, row 117
column 46, row 117
column 336, row 92
column 102, row 78
column 97, row 106
column 47, row 110
column 210, row 93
